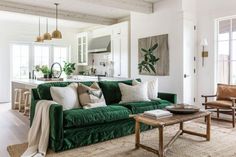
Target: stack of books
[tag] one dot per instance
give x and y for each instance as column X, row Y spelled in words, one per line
column 157, row 114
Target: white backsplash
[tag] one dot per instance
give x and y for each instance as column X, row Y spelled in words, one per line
column 102, row 63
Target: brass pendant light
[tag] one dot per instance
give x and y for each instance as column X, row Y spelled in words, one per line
column 56, row 34
column 39, row 38
column 47, row 36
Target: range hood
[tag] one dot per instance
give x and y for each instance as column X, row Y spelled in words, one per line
column 100, row 45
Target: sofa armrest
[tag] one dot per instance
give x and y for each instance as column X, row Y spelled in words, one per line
column 34, row 100
column 169, row 97
column 56, row 126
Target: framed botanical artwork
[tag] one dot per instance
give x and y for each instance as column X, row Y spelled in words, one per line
column 153, row 55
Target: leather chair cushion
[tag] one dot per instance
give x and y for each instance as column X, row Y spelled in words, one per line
column 220, row 104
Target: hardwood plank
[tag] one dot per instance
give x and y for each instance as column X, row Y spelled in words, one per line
column 14, row 128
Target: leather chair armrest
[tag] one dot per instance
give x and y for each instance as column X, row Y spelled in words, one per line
column 208, row 96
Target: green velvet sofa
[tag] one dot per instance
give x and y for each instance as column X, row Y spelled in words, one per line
column 79, row 127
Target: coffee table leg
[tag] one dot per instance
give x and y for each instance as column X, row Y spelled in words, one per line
column 181, row 127
column 137, row 134
column 208, row 131
column 161, row 144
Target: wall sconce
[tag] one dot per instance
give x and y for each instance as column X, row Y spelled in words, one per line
column 204, row 44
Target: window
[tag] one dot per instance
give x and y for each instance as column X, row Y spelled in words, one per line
column 226, row 47
column 60, row 54
column 41, row 55
column 26, row 56
column 20, row 58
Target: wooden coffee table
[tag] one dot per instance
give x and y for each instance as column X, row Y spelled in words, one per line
column 162, row 123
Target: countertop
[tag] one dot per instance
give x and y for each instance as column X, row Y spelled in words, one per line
column 76, row 78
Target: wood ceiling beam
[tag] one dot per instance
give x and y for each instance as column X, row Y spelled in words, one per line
column 49, row 12
column 129, row 5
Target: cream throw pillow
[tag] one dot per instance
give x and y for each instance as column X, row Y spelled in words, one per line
column 66, row 96
column 91, row 97
column 152, row 88
column 133, row 93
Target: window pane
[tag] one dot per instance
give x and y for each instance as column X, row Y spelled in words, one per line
column 20, row 59
column 223, row 47
column 41, row 55
column 60, row 55
column 223, row 71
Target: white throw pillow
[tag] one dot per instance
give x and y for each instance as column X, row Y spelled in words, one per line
column 66, row 96
column 152, row 88
column 133, row 93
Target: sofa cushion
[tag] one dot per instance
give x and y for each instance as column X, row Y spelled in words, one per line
column 111, row 90
column 140, row 107
column 44, row 89
column 87, row 117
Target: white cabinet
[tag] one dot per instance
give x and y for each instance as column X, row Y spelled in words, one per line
column 120, row 49
column 82, row 48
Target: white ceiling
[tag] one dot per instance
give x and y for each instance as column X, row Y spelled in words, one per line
column 31, row 19
column 100, row 10
column 78, row 6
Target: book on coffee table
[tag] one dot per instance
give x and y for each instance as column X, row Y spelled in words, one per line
column 157, row 114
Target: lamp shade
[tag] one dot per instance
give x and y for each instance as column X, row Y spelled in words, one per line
column 56, row 34
column 39, row 39
column 204, row 42
column 47, row 36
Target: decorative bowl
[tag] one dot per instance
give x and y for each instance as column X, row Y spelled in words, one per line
column 182, row 109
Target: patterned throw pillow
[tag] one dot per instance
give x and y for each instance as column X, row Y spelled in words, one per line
column 91, row 97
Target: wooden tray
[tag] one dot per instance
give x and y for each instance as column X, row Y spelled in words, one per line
column 182, row 109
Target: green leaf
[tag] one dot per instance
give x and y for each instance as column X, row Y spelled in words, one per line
column 153, row 47
column 152, row 68
column 144, row 50
column 146, row 57
column 147, row 68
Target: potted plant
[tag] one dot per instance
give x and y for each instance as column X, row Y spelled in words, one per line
column 69, row 68
column 45, row 71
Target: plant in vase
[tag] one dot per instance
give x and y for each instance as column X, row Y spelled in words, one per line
column 69, row 68
column 45, row 71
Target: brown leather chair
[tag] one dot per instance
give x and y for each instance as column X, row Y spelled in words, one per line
column 225, row 101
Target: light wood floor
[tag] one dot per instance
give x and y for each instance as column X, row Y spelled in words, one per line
column 13, row 128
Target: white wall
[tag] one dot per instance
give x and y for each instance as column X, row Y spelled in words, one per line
column 167, row 19
column 22, row 32
column 207, row 12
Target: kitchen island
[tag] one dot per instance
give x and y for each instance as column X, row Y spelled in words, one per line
column 28, row 84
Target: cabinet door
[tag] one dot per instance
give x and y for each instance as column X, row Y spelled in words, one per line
column 116, row 56
column 82, row 49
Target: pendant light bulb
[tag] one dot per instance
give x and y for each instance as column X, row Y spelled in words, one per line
column 56, row 34
column 39, row 37
column 47, row 36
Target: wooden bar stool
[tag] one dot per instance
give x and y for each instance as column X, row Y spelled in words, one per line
column 26, row 103
column 21, row 100
column 17, row 98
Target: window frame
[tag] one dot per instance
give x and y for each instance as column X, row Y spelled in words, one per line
column 31, row 59
column 230, row 60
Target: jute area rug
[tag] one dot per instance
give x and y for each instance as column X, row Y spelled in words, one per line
column 222, row 144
